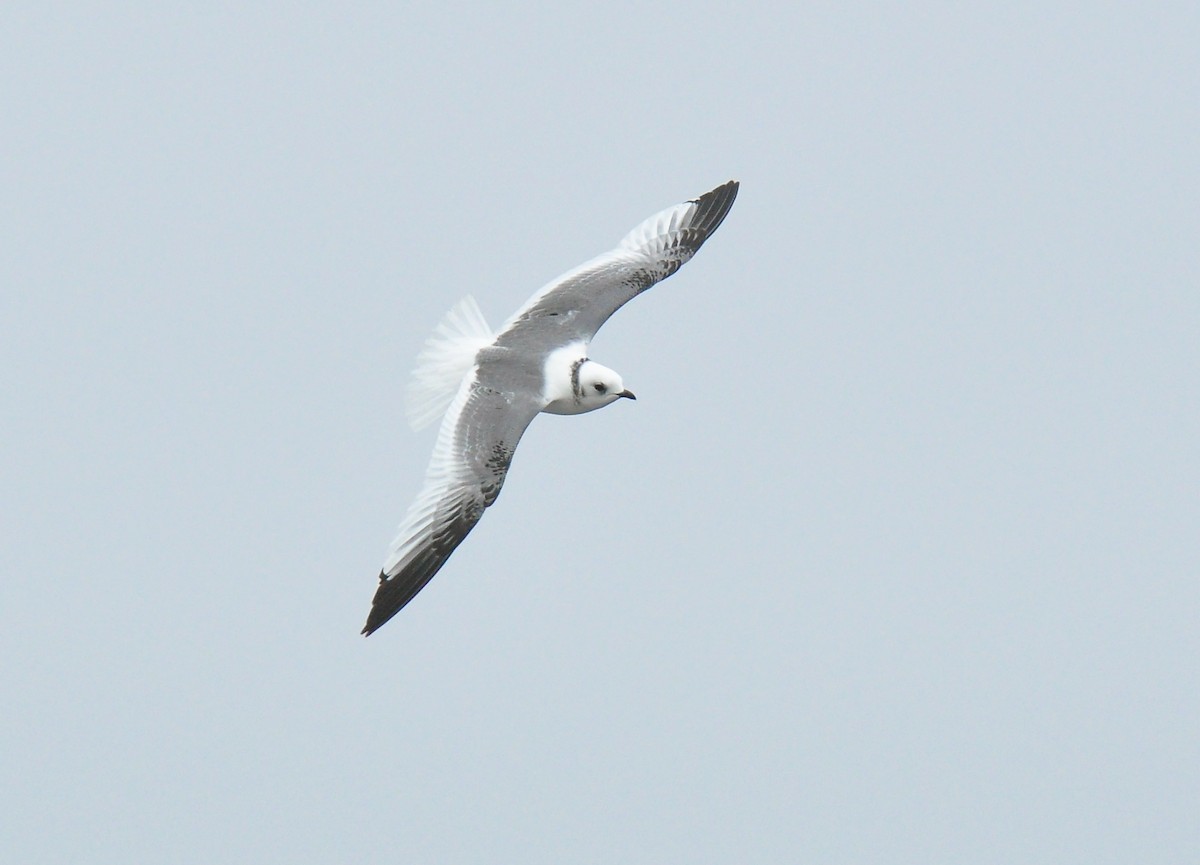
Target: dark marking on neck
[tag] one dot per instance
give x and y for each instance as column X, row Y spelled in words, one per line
column 576, row 388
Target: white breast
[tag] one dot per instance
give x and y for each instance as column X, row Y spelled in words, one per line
column 557, row 391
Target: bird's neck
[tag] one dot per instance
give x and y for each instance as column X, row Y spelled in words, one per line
column 560, row 379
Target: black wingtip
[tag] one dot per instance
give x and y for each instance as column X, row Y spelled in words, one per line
column 711, row 209
column 729, row 187
column 713, row 206
column 379, row 613
column 396, row 591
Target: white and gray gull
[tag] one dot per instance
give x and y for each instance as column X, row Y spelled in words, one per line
column 490, row 385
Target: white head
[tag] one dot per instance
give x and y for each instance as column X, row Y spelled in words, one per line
column 596, row 385
column 575, row 385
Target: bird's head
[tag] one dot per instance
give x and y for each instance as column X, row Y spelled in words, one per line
column 599, row 385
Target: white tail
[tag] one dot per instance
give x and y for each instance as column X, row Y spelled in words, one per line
column 448, row 355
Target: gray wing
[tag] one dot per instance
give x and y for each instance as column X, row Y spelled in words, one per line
column 574, row 306
column 475, row 445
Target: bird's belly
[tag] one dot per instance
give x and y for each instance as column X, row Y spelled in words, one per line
column 568, row 406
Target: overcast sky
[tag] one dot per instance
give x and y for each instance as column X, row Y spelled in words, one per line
column 895, row 559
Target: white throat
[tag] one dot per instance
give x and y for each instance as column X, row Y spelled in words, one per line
column 560, row 379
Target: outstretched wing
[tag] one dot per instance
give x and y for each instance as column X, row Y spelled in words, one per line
column 575, row 305
column 474, row 448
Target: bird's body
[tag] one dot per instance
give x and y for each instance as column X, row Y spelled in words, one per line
column 491, row 386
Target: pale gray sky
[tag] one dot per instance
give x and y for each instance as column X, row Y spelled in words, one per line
column 895, row 559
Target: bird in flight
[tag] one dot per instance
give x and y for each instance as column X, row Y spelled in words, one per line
column 488, row 386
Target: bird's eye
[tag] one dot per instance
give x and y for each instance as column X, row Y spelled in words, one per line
column 600, row 388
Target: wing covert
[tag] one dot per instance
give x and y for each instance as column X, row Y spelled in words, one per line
column 470, row 461
column 575, row 305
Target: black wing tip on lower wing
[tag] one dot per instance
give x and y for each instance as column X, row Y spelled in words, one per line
column 390, row 598
column 377, row 617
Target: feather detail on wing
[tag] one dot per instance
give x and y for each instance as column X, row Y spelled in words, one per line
column 581, row 300
column 474, row 448
column 447, row 356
